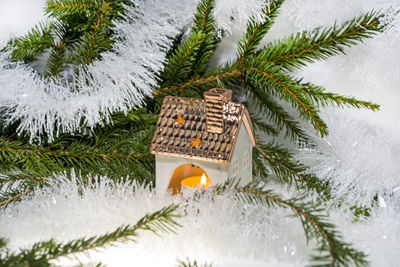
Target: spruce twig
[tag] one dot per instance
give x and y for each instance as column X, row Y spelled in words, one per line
column 5, row 201
column 42, row 253
column 271, row 77
column 297, row 50
column 189, row 263
column 332, row 250
column 256, row 31
column 288, row 170
column 265, row 103
column 204, row 23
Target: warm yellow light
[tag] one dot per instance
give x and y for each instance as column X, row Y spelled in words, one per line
column 196, row 182
column 203, row 180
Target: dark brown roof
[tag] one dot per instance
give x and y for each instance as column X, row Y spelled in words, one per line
column 174, row 138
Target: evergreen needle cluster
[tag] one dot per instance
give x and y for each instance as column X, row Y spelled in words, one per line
column 189, row 263
column 331, row 250
column 80, row 30
column 44, row 253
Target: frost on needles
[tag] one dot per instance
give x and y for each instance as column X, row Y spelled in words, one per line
column 86, row 96
column 82, row 36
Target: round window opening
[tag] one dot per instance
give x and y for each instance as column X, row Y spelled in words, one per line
column 182, row 172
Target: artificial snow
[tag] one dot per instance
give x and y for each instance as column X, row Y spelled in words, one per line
column 219, row 229
column 359, row 160
column 115, row 83
column 215, row 230
column 360, row 157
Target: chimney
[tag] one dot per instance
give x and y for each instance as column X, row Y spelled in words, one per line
column 216, row 100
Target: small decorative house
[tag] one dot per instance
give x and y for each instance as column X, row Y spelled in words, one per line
column 210, row 137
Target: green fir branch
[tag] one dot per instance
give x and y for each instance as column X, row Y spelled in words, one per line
column 27, row 48
column 262, row 126
column 203, row 20
column 181, row 62
column 259, row 170
column 274, row 112
column 16, row 185
column 270, row 76
column 42, row 253
column 331, row 249
column 80, row 31
column 189, row 263
column 57, row 61
column 11, row 196
column 204, row 23
column 37, row 158
column 324, row 99
column 299, row 49
column 3, row 243
column 227, row 75
column 288, row 170
column 256, row 30
column 59, row 8
column 115, row 150
column 95, row 42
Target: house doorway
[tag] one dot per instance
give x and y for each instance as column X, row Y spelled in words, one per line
column 182, row 172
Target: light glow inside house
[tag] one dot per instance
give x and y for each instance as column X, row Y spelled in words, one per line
column 211, row 136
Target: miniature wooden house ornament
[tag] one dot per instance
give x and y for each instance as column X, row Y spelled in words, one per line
column 210, row 138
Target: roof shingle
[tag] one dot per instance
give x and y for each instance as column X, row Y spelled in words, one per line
column 175, row 139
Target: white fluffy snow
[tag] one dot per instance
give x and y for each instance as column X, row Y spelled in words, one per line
column 362, row 152
column 116, row 83
column 359, row 159
column 218, row 230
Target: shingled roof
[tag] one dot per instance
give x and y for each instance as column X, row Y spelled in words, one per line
column 202, row 129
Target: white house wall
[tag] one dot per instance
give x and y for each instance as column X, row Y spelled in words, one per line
column 243, row 144
column 218, row 173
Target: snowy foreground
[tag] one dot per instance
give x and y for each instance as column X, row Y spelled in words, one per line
column 360, row 157
column 221, row 231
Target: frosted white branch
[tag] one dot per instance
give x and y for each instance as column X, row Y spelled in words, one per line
column 116, row 83
column 358, row 161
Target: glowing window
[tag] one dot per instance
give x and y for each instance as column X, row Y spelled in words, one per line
column 182, row 172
